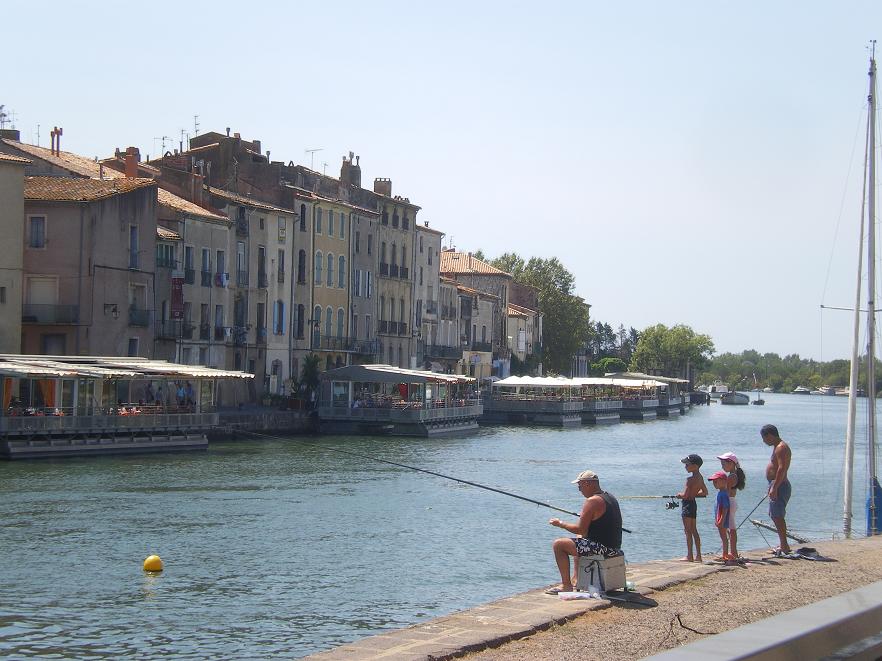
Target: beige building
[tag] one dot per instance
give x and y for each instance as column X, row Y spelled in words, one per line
column 427, row 292
column 477, row 312
column 12, row 170
column 525, row 336
column 88, row 266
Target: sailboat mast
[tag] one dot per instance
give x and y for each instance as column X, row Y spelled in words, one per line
column 848, row 471
column 871, row 305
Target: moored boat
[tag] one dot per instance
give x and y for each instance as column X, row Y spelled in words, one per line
column 733, row 397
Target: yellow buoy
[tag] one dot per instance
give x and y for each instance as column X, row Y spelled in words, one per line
column 153, row 563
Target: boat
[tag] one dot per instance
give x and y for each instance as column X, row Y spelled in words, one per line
column 718, row 389
column 801, row 390
column 827, row 390
column 868, row 224
column 768, row 389
column 734, row 397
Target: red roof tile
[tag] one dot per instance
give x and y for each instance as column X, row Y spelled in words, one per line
column 64, row 189
column 462, row 262
column 8, row 158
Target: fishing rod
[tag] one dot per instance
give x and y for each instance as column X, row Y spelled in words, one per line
column 672, row 504
column 762, row 500
column 423, row 470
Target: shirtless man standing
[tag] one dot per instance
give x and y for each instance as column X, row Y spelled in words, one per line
column 779, row 485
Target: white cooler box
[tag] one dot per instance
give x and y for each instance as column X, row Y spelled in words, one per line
column 603, row 573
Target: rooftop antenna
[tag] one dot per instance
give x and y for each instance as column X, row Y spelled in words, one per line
column 324, row 168
column 163, row 139
column 195, row 125
column 184, row 133
column 38, row 135
column 3, row 117
column 311, row 153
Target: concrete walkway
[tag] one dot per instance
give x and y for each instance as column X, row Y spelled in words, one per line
column 500, row 621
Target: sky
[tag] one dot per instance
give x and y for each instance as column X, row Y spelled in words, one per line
column 690, row 163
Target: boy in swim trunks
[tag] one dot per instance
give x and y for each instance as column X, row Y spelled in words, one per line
column 695, row 488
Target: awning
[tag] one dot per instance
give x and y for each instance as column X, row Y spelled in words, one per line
column 389, row 374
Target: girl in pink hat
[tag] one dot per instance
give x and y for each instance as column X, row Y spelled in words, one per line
column 736, row 481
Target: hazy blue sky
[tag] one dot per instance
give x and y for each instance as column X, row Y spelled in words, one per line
column 688, row 161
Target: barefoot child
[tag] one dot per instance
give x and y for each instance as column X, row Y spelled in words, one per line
column 720, row 481
column 695, row 488
column 737, row 480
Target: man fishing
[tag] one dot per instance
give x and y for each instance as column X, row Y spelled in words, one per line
column 599, row 530
column 779, row 485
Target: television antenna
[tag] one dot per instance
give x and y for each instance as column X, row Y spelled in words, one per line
column 311, row 153
column 195, row 125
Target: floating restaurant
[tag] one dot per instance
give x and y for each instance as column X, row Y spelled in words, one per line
column 78, row 405
column 381, row 399
column 570, row 402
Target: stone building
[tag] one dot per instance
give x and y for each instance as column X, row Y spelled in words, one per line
column 468, row 270
column 427, row 290
column 12, row 170
column 88, row 266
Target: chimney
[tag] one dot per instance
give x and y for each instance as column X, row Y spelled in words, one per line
column 131, row 162
column 10, row 134
column 56, row 140
column 255, row 146
column 228, row 131
column 350, row 171
column 383, row 186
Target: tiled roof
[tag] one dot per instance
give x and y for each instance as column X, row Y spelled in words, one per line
column 166, row 234
column 8, row 158
column 73, row 163
column 179, row 204
column 513, row 312
column 462, row 262
column 247, row 201
column 468, row 290
column 66, row 189
column 426, row 228
column 520, row 309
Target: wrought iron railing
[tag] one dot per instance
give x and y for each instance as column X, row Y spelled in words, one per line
column 46, row 313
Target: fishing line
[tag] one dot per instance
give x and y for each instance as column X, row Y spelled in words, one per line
column 762, row 500
column 423, row 470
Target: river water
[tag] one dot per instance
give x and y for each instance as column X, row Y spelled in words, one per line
column 281, row 548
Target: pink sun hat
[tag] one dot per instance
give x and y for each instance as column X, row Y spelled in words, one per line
column 730, row 456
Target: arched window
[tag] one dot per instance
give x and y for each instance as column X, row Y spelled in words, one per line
column 430, row 255
column 483, row 333
column 302, row 217
column 421, row 244
column 330, row 278
column 383, row 252
column 341, row 272
column 404, row 256
column 329, row 320
column 330, row 222
column 340, row 320
column 342, row 226
column 394, row 254
column 318, row 221
column 301, row 267
column 395, row 218
column 300, row 311
column 319, row 260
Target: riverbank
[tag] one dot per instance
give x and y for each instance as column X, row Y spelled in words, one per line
column 693, row 601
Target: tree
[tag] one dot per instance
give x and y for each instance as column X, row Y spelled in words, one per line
column 309, row 375
column 606, row 365
column 669, row 351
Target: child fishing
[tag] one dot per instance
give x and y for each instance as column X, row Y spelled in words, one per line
column 720, row 481
column 736, row 480
column 695, row 488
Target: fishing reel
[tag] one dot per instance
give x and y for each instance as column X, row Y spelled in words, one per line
column 672, row 504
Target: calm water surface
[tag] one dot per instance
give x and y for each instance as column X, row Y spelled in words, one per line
column 279, row 548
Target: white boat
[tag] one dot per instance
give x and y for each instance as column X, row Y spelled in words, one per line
column 768, row 389
column 717, row 390
column 801, row 390
column 733, row 397
column 827, row 390
column 868, row 224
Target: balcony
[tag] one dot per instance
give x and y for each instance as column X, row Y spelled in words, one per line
column 482, row 346
column 366, row 347
column 262, row 280
column 205, row 332
column 189, row 276
column 280, row 276
column 383, row 326
column 442, row 351
column 44, row 313
column 403, row 273
column 206, row 278
column 431, row 307
column 261, row 334
column 393, row 271
column 241, row 278
column 240, row 335
column 139, row 317
column 168, row 329
column 384, row 268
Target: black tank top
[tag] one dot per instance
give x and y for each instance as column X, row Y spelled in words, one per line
column 607, row 529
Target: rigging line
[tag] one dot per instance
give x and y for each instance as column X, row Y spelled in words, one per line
column 423, row 470
column 842, row 202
